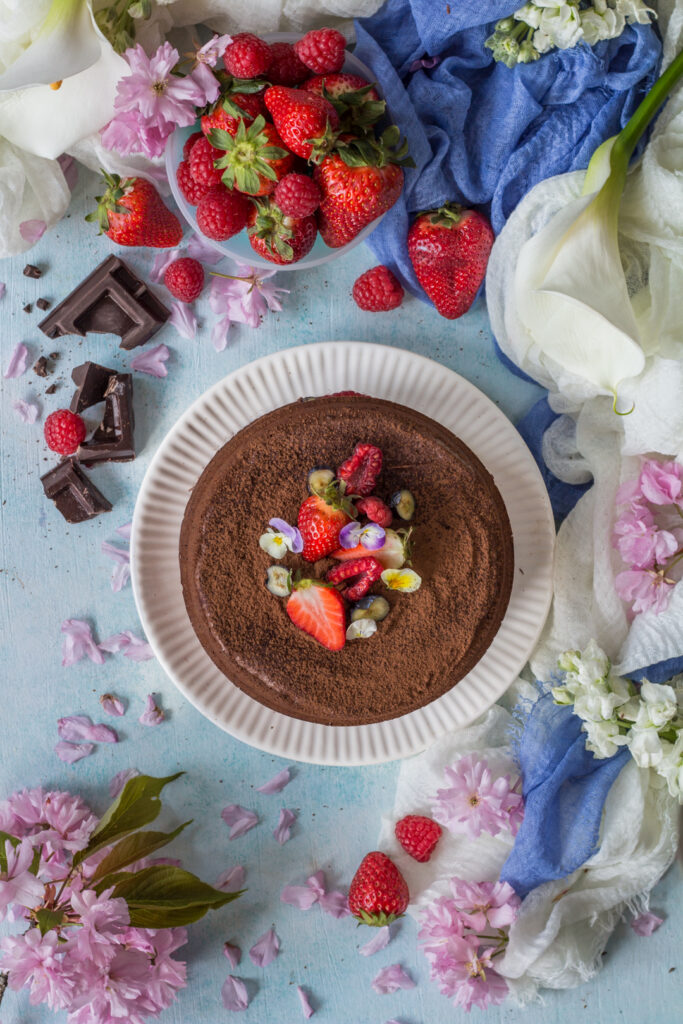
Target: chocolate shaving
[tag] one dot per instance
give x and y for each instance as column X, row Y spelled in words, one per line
column 51, row 390
column 28, row 307
column 40, row 367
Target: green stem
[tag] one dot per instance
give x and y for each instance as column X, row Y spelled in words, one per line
column 628, row 138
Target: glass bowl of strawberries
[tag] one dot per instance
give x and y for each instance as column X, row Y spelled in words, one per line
column 294, row 164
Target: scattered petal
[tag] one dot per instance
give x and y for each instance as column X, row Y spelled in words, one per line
column 78, row 642
column 646, row 924
column 32, row 230
column 125, row 530
column 276, row 784
column 379, row 941
column 112, row 705
column 152, row 715
column 71, row 752
column 306, row 1007
column 238, row 819
column 316, row 883
column 219, row 333
column 161, row 261
column 233, row 954
column 18, row 361
column 152, row 361
column 234, row 993
column 80, row 727
column 283, row 831
column 299, row 896
column 392, row 978
column 335, row 903
column 183, row 319
column 119, row 781
column 265, row 949
column 200, row 249
column 231, row 880
column 26, row 411
column 121, row 572
column 132, row 646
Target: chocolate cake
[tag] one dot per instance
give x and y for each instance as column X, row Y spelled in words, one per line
column 461, row 548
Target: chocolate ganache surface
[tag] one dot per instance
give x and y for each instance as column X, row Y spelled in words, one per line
column 461, row 547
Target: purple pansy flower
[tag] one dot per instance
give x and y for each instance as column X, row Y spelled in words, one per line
column 370, row 536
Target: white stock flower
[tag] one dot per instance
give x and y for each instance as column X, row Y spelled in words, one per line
column 585, row 667
column 646, row 747
column 635, row 10
column 597, row 26
column 671, row 766
column 562, row 24
column 530, row 13
column 597, row 703
column 658, row 705
column 603, row 738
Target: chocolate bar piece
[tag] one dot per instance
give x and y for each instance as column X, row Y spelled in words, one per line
column 74, row 495
column 113, row 439
column 91, row 382
column 111, row 300
column 32, row 271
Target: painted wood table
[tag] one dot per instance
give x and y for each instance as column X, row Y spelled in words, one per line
column 50, row 571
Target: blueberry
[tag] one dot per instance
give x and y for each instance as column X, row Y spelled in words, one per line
column 404, row 504
column 319, row 479
column 279, row 581
column 373, row 606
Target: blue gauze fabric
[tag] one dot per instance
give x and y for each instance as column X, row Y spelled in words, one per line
column 479, row 132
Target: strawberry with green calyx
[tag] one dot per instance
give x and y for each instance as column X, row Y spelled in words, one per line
column 240, row 100
column 378, row 893
column 319, row 610
column 356, row 101
column 131, row 212
column 394, row 553
column 308, row 124
column 277, row 237
column 321, row 519
column 254, row 158
column 449, row 249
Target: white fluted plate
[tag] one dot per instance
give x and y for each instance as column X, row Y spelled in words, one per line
column 238, row 400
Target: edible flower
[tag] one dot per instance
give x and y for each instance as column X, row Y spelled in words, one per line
column 361, row 628
column 405, row 580
column 370, row 536
column 280, row 538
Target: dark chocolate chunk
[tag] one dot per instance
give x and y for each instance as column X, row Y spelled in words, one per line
column 74, row 495
column 40, row 366
column 28, row 307
column 51, row 390
column 54, row 355
column 112, row 300
column 43, row 303
column 113, row 439
column 31, row 271
column 91, row 382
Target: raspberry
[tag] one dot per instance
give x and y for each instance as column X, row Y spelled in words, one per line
column 184, row 279
column 418, row 836
column 368, row 570
column 222, row 213
column 285, row 67
column 377, row 290
column 201, row 164
column 189, row 143
column 297, row 195
column 192, row 191
column 322, row 50
column 361, row 470
column 64, row 431
column 247, row 56
column 376, row 511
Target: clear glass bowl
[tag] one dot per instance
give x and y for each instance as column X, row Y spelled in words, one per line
column 238, row 247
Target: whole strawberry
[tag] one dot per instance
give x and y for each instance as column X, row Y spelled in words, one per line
column 222, row 213
column 449, row 249
column 278, row 238
column 247, row 56
column 418, row 835
column 337, row 85
column 285, row 67
column 322, row 50
column 184, row 279
column 254, row 159
column 320, row 520
column 306, row 122
column 354, row 98
column 231, row 108
column 131, row 212
column 377, row 290
column 378, row 893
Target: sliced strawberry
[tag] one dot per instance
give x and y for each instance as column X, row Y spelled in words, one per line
column 368, row 570
column 393, row 554
column 361, row 470
column 320, row 611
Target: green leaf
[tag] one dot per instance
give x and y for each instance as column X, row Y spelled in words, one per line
column 135, row 847
column 138, row 804
column 35, row 863
column 164, row 896
column 48, row 919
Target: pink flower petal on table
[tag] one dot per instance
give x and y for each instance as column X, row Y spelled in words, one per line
column 32, row 230
column 233, row 954
column 379, row 941
column 265, row 949
column 199, row 249
column 112, row 705
column 18, row 361
column 26, row 411
column 125, row 530
column 336, row 904
column 234, row 994
column 161, row 262
column 316, row 883
column 80, row 727
column 78, row 642
column 646, row 924
column 299, row 896
column 283, row 831
column 219, row 333
column 184, row 320
column 306, row 1007
column 152, row 715
column 238, row 819
column 71, row 752
column 120, row 779
column 153, row 361
column 132, row 646
column 231, row 880
column 391, row 979
column 276, row 784
column 121, row 571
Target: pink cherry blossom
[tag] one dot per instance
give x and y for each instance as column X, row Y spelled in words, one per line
column 69, row 169
column 306, row 1007
column 283, row 832
column 231, row 880
column 234, row 994
column 232, row 953
column 276, row 784
column 474, row 801
column 26, row 411
column 72, row 752
column 155, row 91
column 640, row 543
column 80, row 727
column 265, row 949
column 153, row 361
column 32, row 230
column 647, row 589
column 441, row 922
column 78, row 642
column 17, row 884
column 210, row 53
column 184, row 320
column 238, row 819
column 64, row 821
column 301, row 896
column 112, row 705
column 661, row 482
column 391, row 979
column 466, row 975
column 167, row 975
column 101, row 919
column 131, row 645
column 335, row 903
column 33, row 962
column 18, row 361
column 206, row 82
column 162, row 260
column 119, row 991
column 245, row 296
column 202, row 249
column 153, row 714
column 379, row 941
column 485, row 904
column 645, row 924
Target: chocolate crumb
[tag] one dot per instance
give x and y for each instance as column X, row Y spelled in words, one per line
column 54, row 355
column 32, row 271
column 43, row 303
column 28, row 307
column 40, row 366
column 51, row 390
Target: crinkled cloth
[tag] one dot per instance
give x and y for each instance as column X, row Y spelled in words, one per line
column 482, row 133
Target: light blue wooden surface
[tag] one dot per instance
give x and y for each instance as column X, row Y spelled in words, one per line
column 51, row 571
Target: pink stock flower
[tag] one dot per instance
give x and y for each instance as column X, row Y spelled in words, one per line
column 661, row 482
column 17, row 884
column 475, row 802
column 647, row 589
column 391, row 979
column 33, row 962
column 485, row 904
